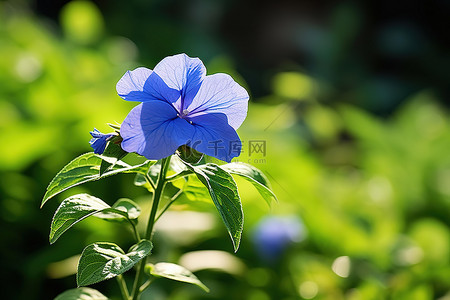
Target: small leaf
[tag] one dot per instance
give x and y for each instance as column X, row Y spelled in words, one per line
column 71, row 211
column 153, row 172
column 177, row 165
column 86, row 168
column 253, row 175
column 224, row 193
column 130, row 207
column 112, row 154
column 83, row 293
column 102, row 261
column 123, row 209
column 174, row 272
column 78, row 207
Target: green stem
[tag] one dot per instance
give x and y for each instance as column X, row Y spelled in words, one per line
column 151, row 222
column 145, row 285
column 150, row 181
column 172, row 200
column 135, row 232
column 123, row 287
column 157, row 197
column 179, row 175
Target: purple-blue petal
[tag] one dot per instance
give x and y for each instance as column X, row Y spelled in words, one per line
column 131, row 86
column 153, row 129
column 214, row 137
column 144, row 85
column 182, row 73
column 157, row 88
column 219, row 93
column 99, row 141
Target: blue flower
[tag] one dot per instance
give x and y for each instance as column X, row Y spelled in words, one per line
column 99, row 140
column 181, row 106
column 274, row 234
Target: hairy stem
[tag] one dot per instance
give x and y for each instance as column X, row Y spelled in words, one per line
column 151, row 222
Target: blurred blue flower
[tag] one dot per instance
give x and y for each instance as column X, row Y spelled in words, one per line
column 181, row 106
column 274, row 234
column 99, row 140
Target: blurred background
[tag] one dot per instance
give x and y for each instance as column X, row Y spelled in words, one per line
column 349, row 99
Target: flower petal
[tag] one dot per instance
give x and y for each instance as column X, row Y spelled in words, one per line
column 183, row 73
column 219, row 93
column 152, row 129
column 131, row 86
column 144, row 85
column 214, row 137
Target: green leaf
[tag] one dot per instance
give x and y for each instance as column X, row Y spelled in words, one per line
column 177, row 165
column 193, row 189
column 130, row 207
column 224, row 193
column 153, row 173
column 253, row 175
column 112, row 154
column 71, row 211
column 78, row 207
column 86, row 168
column 123, row 209
column 174, row 272
column 102, row 261
column 83, row 293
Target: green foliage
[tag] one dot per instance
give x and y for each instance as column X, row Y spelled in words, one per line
column 122, row 209
column 224, row 193
column 78, row 207
column 194, row 189
column 82, row 293
column 214, row 182
column 112, row 154
column 255, row 176
column 71, row 211
column 174, row 272
column 102, row 261
column 86, row 168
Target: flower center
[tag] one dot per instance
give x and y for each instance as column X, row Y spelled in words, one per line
column 183, row 115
